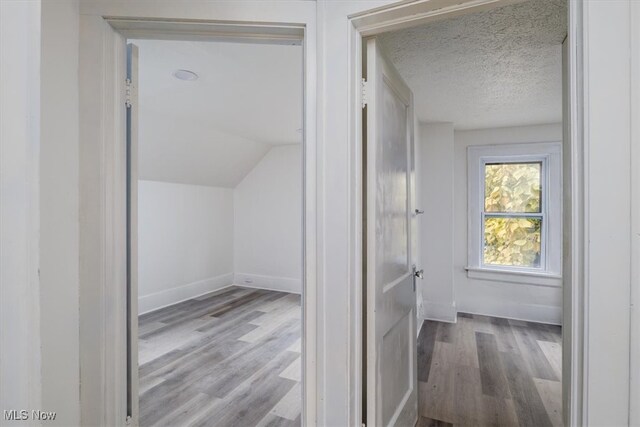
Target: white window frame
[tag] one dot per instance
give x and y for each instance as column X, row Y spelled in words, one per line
column 550, row 155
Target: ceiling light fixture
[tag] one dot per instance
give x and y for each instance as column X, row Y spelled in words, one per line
column 185, row 75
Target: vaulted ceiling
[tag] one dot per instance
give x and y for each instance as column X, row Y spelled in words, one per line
column 213, row 131
column 501, row 67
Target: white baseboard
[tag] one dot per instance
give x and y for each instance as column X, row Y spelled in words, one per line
column 441, row 312
column 419, row 328
column 272, row 283
column 155, row 301
column 547, row 314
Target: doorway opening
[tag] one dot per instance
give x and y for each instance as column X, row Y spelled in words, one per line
column 216, row 275
column 489, row 123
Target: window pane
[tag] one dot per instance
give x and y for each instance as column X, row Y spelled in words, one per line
column 512, row 187
column 512, row 241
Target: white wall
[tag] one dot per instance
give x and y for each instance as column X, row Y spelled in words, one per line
column 442, row 194
column 268, row 222
column 436, row 225
column 334, row 368
column 607, row 228
column 59, row 226
column 635, row 218
column 194, row 239
column 20, row 369
column 185, row 242
column 501, row 299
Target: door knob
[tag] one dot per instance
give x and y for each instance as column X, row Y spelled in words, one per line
column 419, row 211
column 419, row 274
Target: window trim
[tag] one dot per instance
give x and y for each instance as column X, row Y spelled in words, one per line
column 550, row 154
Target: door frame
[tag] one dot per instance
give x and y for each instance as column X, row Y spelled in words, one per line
column 103, row 121
column 411, row 13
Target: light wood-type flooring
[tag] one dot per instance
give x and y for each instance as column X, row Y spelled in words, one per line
column 226, row 359
column 232, row 358
column 485, row 371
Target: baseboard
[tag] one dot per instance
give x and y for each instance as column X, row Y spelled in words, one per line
column 178, row 294
column 546, row 314
column 441, row 312
column 272, row 283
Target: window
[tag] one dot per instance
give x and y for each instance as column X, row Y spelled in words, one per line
column 512, row 215
column 514, row 212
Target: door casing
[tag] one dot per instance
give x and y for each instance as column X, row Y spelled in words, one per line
column 412, row 13
column 103, row 118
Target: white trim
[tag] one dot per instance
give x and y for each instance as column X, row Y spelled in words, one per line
column 545, row 314
column 410, row 13
column 550, row 155
column 135, row 28
column 272, row 283
column 407, row 13
column 575, row 295
column 441, row 312
column 216, row 291
column 168, row 297
column 102, row 125
column 523, row 277
column 420, row 322
column 634, row 369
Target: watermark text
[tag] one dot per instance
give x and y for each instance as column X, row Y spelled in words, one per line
column 25, row 415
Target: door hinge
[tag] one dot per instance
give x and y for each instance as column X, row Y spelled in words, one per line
column 127, row 93
column 364, row 87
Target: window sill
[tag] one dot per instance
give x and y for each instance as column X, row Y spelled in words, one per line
column 519, row 277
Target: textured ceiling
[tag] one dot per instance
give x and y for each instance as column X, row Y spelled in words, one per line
column 213, row 131
column 502, row 67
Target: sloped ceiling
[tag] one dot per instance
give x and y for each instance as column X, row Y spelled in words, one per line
column 214, row 130
column 501, row 67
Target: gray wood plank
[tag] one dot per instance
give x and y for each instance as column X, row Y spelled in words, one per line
column 537, row 362
column 161, row 314
column 275, row 421
column 230, row 373
column 254, row 398
column 504, row 335
column 216, row 336
column 527, row 401
column 426, row 341
column 213, row 377
column 446, row 332
column 492, row 377
column 430, row 422
column 484, row 393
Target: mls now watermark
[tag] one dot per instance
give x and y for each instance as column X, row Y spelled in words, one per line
column 24, row 415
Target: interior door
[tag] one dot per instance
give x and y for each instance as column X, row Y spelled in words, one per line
column 132, row 232
column 391, row 377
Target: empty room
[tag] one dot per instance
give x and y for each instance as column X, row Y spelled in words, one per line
column 219, row 232
column 486, row 91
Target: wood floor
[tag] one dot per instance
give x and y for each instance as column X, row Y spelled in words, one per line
column 485, row 371
column 225, row 359
column 233, row 359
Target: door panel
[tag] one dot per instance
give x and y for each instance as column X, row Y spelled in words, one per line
column 390, row 287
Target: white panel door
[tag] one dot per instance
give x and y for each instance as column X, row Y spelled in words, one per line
column 391, row 390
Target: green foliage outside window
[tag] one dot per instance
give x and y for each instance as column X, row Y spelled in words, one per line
column 512, row 188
